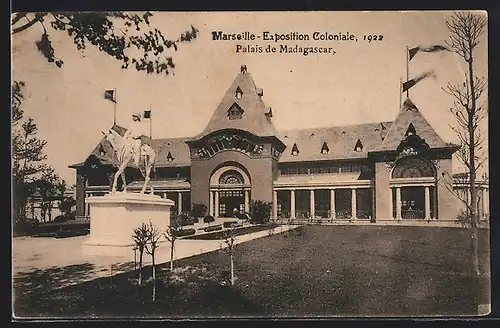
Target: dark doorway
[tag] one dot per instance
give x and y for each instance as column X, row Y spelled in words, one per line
column 412, row 203
column 229, row 200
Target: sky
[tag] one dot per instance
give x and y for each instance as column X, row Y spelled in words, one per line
column 360, row 83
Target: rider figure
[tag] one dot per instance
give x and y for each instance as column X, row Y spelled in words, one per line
column 133, row 134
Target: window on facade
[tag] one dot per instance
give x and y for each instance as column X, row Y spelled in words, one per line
column 359, row 146
column 324, row 148
column 231, row 177
column 346, row 168
column 324, row 169
column 102, row 152
column 413, row 167
column 410, row 130
column 170, row 158
column 365, row 168
column 239, row 93
column 314, row 170
column 235, row 112
column 303, row 170
column 295, row 150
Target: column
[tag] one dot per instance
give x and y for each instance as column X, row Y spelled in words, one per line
column 292, row 204
column 211, row 203
column 312, row 204
column 216, row 203
column 179, row 202
column 332, row 204
column 353, row 204
column 164, row 195
column 398, row 203
column 275, row 204
column 247, row 202
column 427, row 203
column 390, row 204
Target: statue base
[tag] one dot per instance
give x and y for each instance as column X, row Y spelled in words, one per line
column 114, row 217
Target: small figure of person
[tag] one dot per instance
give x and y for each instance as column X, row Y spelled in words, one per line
column 133, row 135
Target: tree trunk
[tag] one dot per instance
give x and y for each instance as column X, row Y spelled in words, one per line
column 172, row 257
column 472, row 169
column 232, row 269
column 154, row 275
column 140, row 267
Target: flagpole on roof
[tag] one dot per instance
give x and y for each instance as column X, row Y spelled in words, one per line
column 400, row 92
column 407, row 70
column 114, row 109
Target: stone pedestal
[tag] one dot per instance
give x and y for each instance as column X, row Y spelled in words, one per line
column 114, row 217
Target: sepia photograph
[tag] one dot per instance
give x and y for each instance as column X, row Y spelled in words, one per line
column 285, row 164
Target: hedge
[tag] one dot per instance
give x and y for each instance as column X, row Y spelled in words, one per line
column 186, row 232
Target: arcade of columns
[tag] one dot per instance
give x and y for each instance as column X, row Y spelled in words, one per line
column 214, row 201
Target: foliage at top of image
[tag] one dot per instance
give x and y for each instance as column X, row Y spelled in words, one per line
column 112, row 33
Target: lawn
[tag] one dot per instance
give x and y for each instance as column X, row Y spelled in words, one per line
column 329, row 270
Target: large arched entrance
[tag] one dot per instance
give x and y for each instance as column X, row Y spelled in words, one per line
column 229, row 191
column 413, row 188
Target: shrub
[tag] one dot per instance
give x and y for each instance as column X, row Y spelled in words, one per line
column 186, row 220
column 260, row 211
column 186, row 232
column 464, row 219
column 199, row 210
column 213, row 228
column 208, row 219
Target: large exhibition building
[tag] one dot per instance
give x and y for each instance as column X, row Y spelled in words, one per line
column 378, row 171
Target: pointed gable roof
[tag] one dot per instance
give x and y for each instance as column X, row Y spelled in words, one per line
column 254, row 110
column 409, row 114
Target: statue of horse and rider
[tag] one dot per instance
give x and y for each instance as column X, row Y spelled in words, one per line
column 130, row 151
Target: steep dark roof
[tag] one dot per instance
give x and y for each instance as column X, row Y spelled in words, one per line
column 254, row 118
column 339, row 139
column 409, row 113
column 104, row 145
column 177, row 148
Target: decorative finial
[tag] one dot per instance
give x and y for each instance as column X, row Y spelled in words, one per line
column 243, row 69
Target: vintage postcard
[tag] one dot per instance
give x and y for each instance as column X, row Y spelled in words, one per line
column 191, row 165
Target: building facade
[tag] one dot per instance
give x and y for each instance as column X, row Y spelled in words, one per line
column 376, row 171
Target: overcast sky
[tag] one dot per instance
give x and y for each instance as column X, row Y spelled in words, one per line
column 359, row 84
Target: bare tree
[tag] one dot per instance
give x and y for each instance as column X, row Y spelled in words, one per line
column 171, row 234
column 229, row 238
column 141, row 238
column 465, row 31
column 153, row 236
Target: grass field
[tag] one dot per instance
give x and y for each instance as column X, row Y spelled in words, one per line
column 330, row 270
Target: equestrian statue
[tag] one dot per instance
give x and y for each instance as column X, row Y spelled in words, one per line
column 130, row 151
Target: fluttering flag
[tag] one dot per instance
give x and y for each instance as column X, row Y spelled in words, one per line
column 433, row 48
column 110, row 95
column 147, row 114
column 410, row 83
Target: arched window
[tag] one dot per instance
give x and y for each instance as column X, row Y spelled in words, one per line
column 231, row 177
column 413, row 167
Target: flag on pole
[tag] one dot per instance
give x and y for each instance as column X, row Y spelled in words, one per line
column 433, row 48
column 410, row 83
column 110, row 95
column 147, row 114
